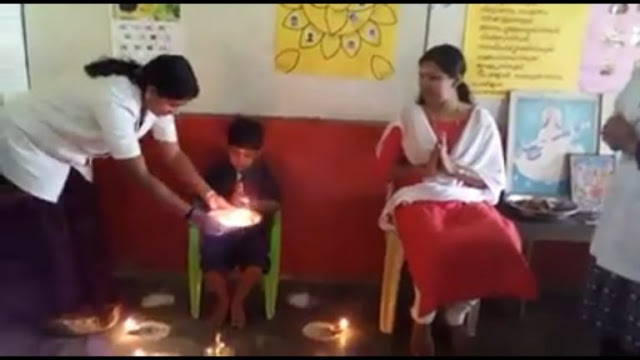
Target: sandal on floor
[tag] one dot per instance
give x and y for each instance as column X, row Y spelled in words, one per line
column 84, row 324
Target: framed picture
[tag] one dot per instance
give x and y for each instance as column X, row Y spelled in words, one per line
column 543, row 129
column 590, row 175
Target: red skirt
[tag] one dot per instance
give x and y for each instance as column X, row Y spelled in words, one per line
column 460, row 251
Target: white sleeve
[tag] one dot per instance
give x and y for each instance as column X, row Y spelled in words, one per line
column 117, row 122
column 164, row 129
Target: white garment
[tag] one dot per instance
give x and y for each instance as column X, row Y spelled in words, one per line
column 455, row 314
column 45, row 132
column 616, row 241
column 479, row 148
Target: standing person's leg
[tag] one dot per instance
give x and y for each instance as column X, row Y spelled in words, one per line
column 25, row 259
column 43, row 226
column 609, row 346
column 611, row 305
column 92, row 255
column 64, row 283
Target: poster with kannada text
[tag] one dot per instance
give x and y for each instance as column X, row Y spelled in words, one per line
column 523, row 46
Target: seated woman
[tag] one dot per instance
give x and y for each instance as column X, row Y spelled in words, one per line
column 444, row 159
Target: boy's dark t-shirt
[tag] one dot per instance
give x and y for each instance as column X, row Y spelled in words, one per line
column 257, row 180
column 251, row 245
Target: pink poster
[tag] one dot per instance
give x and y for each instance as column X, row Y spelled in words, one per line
column 610, row 47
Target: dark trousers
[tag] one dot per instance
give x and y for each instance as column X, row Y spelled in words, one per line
column 59, row 244
column 610, row 346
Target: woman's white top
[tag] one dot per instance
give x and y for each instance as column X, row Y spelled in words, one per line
column 43, row 133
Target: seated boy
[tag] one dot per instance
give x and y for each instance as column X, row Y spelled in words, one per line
column 244, row 180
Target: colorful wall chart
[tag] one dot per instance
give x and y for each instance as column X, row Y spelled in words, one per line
column 523, row 46
column 143, row 31
column 345, row 40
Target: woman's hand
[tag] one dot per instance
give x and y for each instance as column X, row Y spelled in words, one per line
column 215, row 201
column 446, row 164
column 239, row 198
column 205, row 222
column 619, row 134
column 430, row 168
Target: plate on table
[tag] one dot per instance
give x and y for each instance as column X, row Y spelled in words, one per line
column 542, row 208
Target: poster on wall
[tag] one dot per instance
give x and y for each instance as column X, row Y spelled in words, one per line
column 144, row 31
column 544, row 128
column 590, row 175
column 13, row 66
column 523, row 46
column 611, row 46
column 342, row 40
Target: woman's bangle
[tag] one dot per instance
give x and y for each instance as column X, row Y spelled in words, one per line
column 189, row 213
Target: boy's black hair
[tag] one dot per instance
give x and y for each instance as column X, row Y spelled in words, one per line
column 246, row 133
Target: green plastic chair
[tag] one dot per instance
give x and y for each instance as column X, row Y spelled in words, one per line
column 270, row 280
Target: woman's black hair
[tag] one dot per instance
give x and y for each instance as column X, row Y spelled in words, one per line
column 451, row 61
column 171, row 75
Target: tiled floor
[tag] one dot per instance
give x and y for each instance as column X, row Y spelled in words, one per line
column 551, row 326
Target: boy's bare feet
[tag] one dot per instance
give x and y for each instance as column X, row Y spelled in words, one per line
column 217, row 283
column 421, row 340
column 219, row 313
column 238, row 317
column 250, row 277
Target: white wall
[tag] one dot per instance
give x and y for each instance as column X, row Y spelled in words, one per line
column 13, row 64
column 231, row 47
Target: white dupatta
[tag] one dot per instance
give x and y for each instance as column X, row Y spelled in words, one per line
column 479, row 149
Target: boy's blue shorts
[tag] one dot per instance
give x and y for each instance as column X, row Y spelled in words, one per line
column 240, row 248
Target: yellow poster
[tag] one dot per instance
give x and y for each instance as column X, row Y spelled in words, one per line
column 523, row 46
column 346, row 40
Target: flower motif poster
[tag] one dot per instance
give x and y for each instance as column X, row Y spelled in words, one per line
column 343, row 40
column 144, row 31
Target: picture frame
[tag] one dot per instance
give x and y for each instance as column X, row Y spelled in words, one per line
column 590, row 175
column 543, row 129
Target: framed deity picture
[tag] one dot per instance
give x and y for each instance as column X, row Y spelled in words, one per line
column 543, row 129
column 590, row 175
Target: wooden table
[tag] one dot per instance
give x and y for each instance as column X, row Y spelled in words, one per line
column 567, row 230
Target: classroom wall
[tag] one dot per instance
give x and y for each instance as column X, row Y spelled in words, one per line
column 331, row 203
column 332, row 197
column 231, row 48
